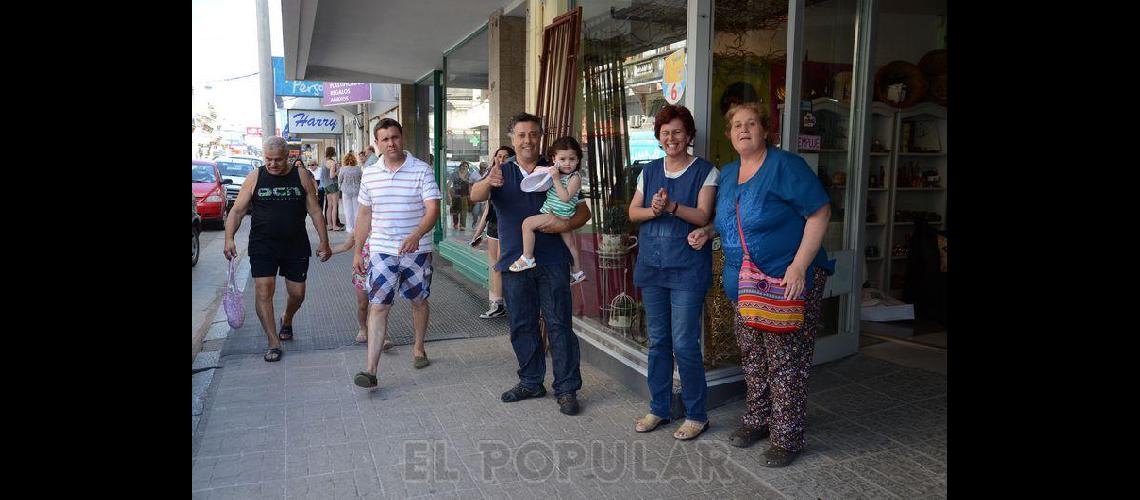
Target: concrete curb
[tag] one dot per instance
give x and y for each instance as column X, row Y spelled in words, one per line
column 202, row 369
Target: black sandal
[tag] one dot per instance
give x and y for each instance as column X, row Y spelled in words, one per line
column 365, row 380
column 286, row 332
column 276, row 354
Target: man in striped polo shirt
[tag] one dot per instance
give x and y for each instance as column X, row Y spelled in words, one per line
column 399, row 204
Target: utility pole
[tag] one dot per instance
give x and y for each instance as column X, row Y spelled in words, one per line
column 265, row 62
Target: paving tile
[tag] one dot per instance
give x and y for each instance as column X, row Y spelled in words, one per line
column 232, row 470
column 906, row 424
column 349, row 484
column 860, row 367
column 426, row 434
column 909, row 384
column 842, row 440
column 271, row 490
column 240, row 441
column 936, row 404
column 853, row 401
column 329, row 459
column 247, row 419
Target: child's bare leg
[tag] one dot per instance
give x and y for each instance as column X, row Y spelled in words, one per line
column 529, row 225
column 572, row 243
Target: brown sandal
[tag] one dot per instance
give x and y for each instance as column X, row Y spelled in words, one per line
column 649, row 423
column 690, row 429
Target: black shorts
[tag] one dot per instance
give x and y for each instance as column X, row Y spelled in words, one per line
column 293, row 269
column 492, row 223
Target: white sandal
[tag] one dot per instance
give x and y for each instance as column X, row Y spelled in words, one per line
column 522, row 264
column 578, row 277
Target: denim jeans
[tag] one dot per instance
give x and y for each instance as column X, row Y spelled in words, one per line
column 673, row 318
column 546, row 287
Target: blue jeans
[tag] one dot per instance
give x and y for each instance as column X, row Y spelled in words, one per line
column 673, row 318
column 548, row 287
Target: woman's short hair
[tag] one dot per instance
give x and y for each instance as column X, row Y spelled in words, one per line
column 330, row 152
column 510, row 151
column 671, row 112
column 349, row 159
column 755, row 107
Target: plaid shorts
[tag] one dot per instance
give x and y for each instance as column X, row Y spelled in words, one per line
column 411, row 272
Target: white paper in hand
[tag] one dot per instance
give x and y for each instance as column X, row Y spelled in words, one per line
column 539, row 180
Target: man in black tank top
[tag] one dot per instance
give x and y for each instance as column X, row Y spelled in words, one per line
column 278, row 241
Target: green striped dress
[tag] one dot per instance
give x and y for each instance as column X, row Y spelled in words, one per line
column 555, row 205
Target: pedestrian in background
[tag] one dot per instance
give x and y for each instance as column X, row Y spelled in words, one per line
column 371, row 156
column 313, row 169
column 458, row 188
column 332, row 189
column 488, row 221
column 360, row 284
column 349, row 182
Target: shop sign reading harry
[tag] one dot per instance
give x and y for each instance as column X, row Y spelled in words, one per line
column 313, row 121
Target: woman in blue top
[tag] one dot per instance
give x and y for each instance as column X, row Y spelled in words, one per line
column 675, row 195
column 783, row 211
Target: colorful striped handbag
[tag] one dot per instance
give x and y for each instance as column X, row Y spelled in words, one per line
column 760, row 298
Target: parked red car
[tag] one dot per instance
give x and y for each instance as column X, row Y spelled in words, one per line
column 210, row 192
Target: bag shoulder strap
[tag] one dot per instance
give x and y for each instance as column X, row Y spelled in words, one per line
column 740, row 229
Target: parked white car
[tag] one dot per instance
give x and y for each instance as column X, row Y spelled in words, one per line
column 236, row 168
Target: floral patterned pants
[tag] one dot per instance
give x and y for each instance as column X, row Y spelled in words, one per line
column 776, row 368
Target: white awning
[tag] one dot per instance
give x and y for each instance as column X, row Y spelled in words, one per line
column 394, row 41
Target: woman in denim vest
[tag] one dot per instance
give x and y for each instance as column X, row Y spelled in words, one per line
column 675, row 195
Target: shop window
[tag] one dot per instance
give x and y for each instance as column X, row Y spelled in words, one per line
column 467, row 104
column 909, row 158
column 624, row 46
column 749, row 53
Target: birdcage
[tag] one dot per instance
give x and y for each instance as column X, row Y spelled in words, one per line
column 623, row 311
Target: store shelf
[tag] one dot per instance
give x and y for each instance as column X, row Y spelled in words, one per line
column 870, row 259
column 922, row 189
column 887, row 153
column 870, row 224
column 943, row 153
column 876, row 189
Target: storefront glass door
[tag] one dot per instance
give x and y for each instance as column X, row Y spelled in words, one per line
column 750, row 63
column 824, row 118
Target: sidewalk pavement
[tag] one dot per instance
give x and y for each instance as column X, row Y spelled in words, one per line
column 299, row 428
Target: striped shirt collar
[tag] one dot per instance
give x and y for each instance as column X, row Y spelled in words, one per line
column 384, row 166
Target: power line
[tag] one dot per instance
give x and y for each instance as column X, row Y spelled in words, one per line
column 229, row 79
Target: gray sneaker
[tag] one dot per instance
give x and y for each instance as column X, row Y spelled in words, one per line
column 497, row 310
